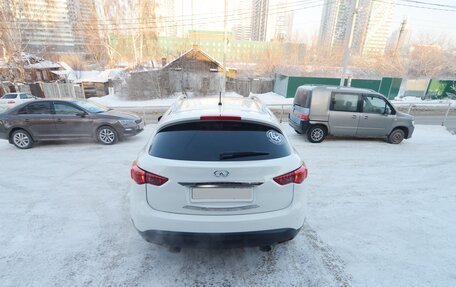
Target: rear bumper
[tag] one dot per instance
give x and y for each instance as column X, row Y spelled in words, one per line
column 302, row 127
column 219, row 240
column 153, row 223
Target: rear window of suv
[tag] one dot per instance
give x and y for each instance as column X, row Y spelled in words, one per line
column 219, row 141
column 9, row 96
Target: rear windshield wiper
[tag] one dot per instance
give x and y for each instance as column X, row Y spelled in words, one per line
column 230, row 155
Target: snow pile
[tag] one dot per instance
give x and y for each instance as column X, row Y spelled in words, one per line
column 114, row 101
column 420, row 102
column 272, row 98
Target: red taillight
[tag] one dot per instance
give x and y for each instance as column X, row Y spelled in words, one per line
column 220, row 118
column 11, row 102
column 302, row 116
column 295, row 176
column 141, row 176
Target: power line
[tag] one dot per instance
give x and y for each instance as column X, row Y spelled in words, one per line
column 187, row 17
column 415, row 6
column 211, row 19
column 429, row 3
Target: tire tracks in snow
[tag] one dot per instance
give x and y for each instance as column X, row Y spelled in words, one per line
column 334, row 264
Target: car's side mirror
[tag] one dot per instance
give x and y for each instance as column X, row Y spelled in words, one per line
column 387, row 111
column 159, row 118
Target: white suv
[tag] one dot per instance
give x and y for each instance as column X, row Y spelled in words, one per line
column 13, row 99
column 216, row 175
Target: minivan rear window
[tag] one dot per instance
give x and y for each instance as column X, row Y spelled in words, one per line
column 302, row 98
column 219, row 141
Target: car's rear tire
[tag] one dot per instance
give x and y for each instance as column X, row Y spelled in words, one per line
column 21, row 139
column 316, row 134
column 396, row 136
column 107, row 135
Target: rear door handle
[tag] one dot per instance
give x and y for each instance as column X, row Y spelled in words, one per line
column 354, row 117
column 366, row 117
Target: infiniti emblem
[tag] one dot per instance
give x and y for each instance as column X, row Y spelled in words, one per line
column 221, row 173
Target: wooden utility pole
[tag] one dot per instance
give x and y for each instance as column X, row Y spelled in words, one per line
column 348, row 42
column 400, row 36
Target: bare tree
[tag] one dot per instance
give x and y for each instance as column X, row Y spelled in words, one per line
column 129, row 29
column 18, row 21
column 110, row 26
column 97, row 46
column 427, row 61
column 13, row 15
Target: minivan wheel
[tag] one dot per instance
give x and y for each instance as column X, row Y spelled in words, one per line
column 21, row 139
column 396, row 136
column 316, row 134
column 107, row 135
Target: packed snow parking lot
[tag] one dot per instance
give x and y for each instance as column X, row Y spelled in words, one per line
column 378, row 215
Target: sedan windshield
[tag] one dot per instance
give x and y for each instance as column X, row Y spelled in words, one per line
column 91, row 107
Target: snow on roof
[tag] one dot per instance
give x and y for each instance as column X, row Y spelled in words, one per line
column 89, row 76
column 32, row 62
column 45, row 64
column 61, row 72
column 35, row 62
column 196, row 50
column 66, row 66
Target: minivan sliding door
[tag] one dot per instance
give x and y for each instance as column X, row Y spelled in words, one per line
column 344, row 113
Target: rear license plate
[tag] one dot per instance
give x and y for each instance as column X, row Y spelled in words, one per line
column 221, row 194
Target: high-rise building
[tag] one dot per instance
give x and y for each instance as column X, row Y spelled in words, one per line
column 333, row 24
column 272, row 20
column 166, row 14
column 370, row 30
column 241, row 15
column 57, row 26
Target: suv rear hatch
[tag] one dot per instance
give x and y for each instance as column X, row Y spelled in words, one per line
column 219, row 167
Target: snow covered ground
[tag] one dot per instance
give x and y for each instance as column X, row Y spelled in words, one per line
column 378, row 215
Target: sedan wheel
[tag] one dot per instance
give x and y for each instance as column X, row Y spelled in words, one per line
column 22, row 139
column 107, row 135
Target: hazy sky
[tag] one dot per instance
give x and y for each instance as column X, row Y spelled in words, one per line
column 432, row 23
column 427, row 21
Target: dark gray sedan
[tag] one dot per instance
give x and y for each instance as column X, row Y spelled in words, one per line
column 65, row 120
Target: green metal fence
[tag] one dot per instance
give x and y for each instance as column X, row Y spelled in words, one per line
column 441, row 88
column 287, row 85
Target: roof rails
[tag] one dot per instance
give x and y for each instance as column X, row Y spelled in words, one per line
column 178, row 103
column 259, row 103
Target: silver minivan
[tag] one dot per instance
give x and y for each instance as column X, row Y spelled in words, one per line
column 319, row 111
